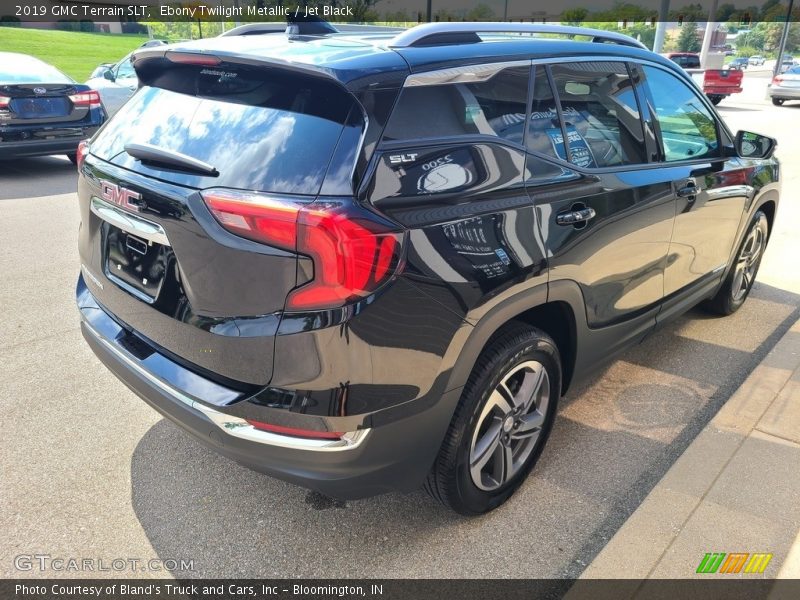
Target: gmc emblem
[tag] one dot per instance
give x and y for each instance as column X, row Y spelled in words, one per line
column 120, row 196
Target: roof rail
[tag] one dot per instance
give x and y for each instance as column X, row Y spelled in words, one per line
column 431, row 34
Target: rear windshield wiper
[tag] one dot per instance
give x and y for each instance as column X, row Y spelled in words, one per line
column 153, row 155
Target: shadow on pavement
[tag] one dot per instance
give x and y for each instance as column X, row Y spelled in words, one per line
column 36, row 177
column 617, row 434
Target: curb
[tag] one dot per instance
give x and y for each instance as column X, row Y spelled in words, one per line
column 645, row 540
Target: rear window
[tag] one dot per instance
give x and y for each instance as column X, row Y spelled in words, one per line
column 261, row 130
column 687, row 62
column 30, row 70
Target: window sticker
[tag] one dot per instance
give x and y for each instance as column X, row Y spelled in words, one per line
column 581, row 152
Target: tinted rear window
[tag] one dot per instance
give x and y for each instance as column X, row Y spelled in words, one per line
column 29, row 70
column 687, row 62
column 262, row 130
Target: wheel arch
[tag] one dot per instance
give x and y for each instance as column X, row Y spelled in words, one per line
column 558, row 318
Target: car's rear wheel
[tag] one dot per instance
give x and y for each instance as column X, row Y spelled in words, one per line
column 501, row 424
column 778, row 101
column 73, row 158
column 715, row 99
column 739, row 282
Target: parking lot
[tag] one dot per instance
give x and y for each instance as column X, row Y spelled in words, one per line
column 90, row 471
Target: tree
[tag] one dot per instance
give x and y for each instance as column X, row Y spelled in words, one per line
column 574, row 16
column 687, row 39
column 481, row 13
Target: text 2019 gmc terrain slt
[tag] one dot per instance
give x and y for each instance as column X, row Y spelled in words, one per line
column 365, row 263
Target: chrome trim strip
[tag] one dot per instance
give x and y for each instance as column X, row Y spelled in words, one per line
column 417, row 34
column 152, row 232
column 229, row 424
column 466, row 74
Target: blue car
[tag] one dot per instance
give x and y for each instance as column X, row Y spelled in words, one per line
column 42, row 111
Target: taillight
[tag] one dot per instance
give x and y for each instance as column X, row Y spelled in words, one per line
column 4, row 100
column 777, row 80
column 303, row 433
column 354, row 252
column 83, row 150
column 90, row 99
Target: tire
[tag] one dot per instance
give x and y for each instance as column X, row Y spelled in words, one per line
column 715, row 99
column 778, row 101
column 737, row 285
column 73, row 158
column 515, row 384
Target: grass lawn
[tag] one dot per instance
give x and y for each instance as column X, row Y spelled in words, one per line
column 76, row 54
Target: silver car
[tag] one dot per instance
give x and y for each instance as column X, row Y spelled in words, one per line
column 785, row 86
column 117, row 82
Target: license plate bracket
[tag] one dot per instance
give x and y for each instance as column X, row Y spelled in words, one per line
column 137, row 265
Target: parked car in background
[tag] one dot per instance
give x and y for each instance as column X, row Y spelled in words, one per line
column 786, row 63
column 738, row 63
column 116, row 82
column 757, row 60
column 42, row 111
column 715, row 83
column 363, row 317
column 785, row 86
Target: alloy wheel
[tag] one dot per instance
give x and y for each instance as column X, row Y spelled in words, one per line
column 747, row 263
column 509, row 425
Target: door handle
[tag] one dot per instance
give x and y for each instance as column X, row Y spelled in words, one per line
column 575, row 217
column 688, row 191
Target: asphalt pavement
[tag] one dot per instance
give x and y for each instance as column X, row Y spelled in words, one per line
column 89, row 471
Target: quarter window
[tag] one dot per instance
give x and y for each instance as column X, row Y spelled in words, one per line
column 495, row 107
column 601, row 115
column 688, row 130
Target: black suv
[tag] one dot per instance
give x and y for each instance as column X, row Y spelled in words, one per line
column 364, row 263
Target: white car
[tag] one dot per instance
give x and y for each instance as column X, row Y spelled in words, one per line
column 756, row 60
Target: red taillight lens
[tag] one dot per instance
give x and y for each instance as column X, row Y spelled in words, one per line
column 303, row 433
column 351, row 258
column 83, row 150
column 90, row 99
column 4, row 100
column 187, row 58
column 354, row 253
column 777, row 80
column 265, row 219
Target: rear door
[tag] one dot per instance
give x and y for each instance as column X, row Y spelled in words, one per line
column 607, row 226
column 153, row 254
column 710, row 191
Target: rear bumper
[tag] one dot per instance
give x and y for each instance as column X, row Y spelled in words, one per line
column 722, row 90
column 395, row 456
column 42, row 147
column 776, row 91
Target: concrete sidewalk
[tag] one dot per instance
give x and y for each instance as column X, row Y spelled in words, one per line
column 736, row 488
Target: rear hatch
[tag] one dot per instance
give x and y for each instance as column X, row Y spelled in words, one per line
column 155, row 257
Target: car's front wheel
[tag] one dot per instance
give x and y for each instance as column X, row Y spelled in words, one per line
column 501, row 424
column 742, row 275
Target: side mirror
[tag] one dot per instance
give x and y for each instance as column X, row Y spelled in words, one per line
column 109, row 74
column 753, row 145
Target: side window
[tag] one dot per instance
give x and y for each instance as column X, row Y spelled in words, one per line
column 601, row 115
column 125, row 69
column 688, row 130
column 495, row 107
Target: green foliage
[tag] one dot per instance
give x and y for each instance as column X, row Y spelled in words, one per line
column 747, row 51
column 687, row 39
column 481, row 12
column 74, row 53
